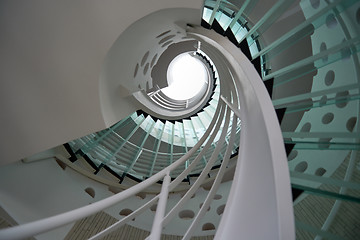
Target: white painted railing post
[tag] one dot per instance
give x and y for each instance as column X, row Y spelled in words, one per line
column 160, row 210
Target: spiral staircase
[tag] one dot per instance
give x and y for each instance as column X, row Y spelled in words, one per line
column 283, row 81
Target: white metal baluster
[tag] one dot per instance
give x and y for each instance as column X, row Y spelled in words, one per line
column 160, row 210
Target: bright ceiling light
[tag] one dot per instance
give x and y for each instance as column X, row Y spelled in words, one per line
column 186, row 76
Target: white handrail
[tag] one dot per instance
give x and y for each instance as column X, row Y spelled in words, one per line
column 202, row 176
column 215, row 185
column 46, row 224
column 171, row 186
column 260, row 195
column 160, row 209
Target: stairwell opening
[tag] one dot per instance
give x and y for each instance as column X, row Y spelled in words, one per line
column 186, row 76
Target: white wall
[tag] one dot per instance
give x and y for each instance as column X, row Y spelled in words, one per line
column 51, row 58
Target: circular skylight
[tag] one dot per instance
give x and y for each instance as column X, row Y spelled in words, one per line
column 186, row 76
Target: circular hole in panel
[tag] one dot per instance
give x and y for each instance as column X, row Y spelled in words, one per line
column 208, row 227
column 331, row 21
column 315, row 3
column 327, row 118
column 136, row 69
column 145, row 57
column 146, row 68
column 323, row 100
column 324, row 143
column 167, row 38
column 202, row 205
column 141, row 195
column 323, row 48
column 207, row 186
column 167, row 43
column 153, row 208
column 90, row 191
column 293, row 154
column 125, row 212
column 186, row 214
column 350, row 124
column 220, row 209
column 301, row 167
column 306, row 127
column 329, row 78
column 162, row 34
column 153, row 60
column 358, row 16
column 320, row 171
column 217, row 197
column 342, row 99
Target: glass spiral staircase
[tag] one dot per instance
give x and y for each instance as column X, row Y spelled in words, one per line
column 307, row 54
column 141, row 145
column 332, row 101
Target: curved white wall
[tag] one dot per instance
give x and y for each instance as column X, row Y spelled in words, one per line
column 51, row 58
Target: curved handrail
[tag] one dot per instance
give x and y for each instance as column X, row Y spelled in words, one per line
column 266, row 167
column 46, row 224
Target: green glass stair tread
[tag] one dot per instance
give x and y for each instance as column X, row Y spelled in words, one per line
column 144, row 171
column 141, row 171
column 333, row 54
column 146, row 124
column 76, row 145
column 309, row 178
column 110, row 141
column 125, row 157
column 211, row 108
column 144, row 161
column 190, row 129
column 216, row 95
column 300, row 31
column 125, row 131
column 324, row 145
column 210, row 111
column 323, row 103
column 306, row 99
column 86, row 139
column 127, row 153
column 122, row 151
column 200, row 129
column 140, row 164
column 214, row 101
column 120, row 162
column 205, row 121
column 206, row 14
column 119, row 168
column 330, row 134
column 127, row 125
column 326, row 194
column 96, row 162
column 112, row 144
column 100, row 150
